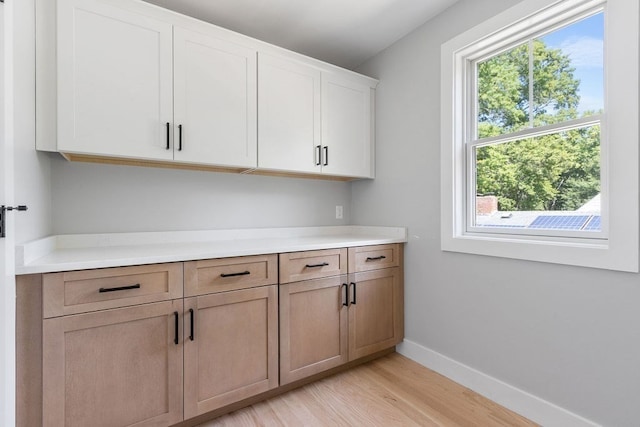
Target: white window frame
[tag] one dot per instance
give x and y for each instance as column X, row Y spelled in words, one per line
column 616, row 247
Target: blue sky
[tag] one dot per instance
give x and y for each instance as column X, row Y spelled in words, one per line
column 583, row 42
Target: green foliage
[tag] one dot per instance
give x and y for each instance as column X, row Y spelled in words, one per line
column 553, row 172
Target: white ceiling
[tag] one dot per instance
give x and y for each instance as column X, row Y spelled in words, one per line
column 341, row 32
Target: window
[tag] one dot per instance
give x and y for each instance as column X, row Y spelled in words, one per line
column 534, row 148
column 539, row 162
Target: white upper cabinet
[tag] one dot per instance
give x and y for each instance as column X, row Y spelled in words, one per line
column 313, row 121
column 114, row 81
column 346, row 127
column 136, row 87
column 131, row 82
column 288, row 115
column 214, row 100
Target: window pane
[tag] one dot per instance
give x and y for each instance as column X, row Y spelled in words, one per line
column 503, row 92
column 541, row 182
column 569, row 72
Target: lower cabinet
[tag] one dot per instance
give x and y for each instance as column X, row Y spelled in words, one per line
column 327, row 322
column 123, row 347
column 230, row 347
column 313, row 327
column 116, row 367
column 375, row 312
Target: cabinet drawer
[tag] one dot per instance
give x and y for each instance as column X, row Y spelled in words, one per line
column 365, row 258
column 228, row 274
column 75, row 292
column 297, row 266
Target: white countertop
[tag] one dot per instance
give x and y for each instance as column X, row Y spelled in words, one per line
column 85, row 251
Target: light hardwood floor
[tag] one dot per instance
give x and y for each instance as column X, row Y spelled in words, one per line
column 390, row 391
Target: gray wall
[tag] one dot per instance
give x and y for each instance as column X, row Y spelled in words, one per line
column 32, row 172
column 568, row 335
column 94, row 198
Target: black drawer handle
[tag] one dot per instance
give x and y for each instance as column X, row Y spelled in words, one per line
column 318, row 155
column 192, row 335
column 353, row 301
column 179, row 137
column 243, row 273
column 121, row 288
column 176, row 340
column 323, row 264
column 346, row 295
column 377, row 258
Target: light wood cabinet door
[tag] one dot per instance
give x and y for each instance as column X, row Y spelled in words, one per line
column 215, row 101
column 231, row 351
column 375, row 311
column 346, row 127
column 288, row 115
column 120, row 367
column 114, row 81
column 313, row 327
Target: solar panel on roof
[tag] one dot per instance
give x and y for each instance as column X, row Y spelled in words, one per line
column 560, row 222
column 594, row 224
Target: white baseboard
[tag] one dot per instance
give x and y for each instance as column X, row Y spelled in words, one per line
column 519, row 401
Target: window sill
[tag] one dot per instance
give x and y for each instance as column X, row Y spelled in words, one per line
column 593, row 253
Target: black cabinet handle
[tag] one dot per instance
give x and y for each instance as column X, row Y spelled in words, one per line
column 377, row 258
column 175, row 315
column 168, row 134
column 326, row 156
column 353, row 301
column 179, row 137
column 191, row 336
column 346, row 295
column 318, row 155
column 120, row 288
column 242, row 273
column 322, row 264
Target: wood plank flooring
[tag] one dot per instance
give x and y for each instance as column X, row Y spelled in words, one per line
column 390, row 391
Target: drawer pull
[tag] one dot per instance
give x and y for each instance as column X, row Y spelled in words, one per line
column 322, row 264
column 377, row 258
column 121, row 288
column 243, row 273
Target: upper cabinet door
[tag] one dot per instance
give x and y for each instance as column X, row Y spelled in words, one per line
column 346, row 127
column 114, row 81
column 288, row 115
column 214, row 101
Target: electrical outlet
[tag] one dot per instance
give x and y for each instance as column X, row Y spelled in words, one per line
column 338, row 212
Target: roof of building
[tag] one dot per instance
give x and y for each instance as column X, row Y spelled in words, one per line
column 585, row 218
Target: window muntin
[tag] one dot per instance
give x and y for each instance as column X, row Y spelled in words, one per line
column 536, row 133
